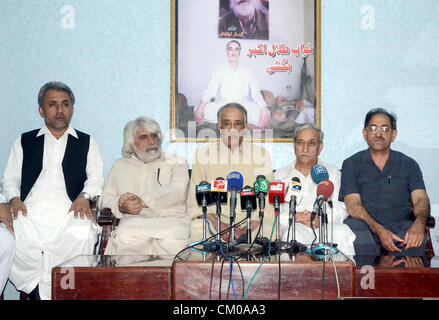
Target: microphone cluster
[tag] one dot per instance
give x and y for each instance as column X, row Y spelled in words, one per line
column 216, row 193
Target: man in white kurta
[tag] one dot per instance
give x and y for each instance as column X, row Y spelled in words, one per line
column 308, row 146
column 52, row 220
column 218, row 160
column 7, row 242
column 232, row 82
column 157, row 182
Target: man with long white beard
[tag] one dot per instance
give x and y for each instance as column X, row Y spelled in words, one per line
column 147, row 191
column 245, row 19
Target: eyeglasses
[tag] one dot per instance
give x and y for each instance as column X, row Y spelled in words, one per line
column 373, row 129
column 310, row 144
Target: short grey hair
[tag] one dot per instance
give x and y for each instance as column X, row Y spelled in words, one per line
column 233, row 41
column 308, row 126
column 55, row 85
column 232, row 105
column 129, row 133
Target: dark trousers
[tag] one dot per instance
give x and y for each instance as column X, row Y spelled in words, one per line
column 367, row 244
column 34, row 294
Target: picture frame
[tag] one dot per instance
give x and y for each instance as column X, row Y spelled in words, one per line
column 285, row 64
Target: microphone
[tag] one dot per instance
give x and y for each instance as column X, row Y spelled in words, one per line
column 276, row 195
column 235, row 181
column 248, row 203
column 261, row 189
column 295, row 190
column 219, row 190
column 202, row 192
column 319, row 173
column 324, row 191
column 248, row 200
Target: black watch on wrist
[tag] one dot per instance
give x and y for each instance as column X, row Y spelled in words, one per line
column 84, row 195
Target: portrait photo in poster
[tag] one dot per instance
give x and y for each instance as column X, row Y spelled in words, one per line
column 244, row 19
column 261, row 54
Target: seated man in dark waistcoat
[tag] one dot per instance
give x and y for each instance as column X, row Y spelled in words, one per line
column 51, row 175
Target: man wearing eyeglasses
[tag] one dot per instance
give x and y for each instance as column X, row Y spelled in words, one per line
column 377, row 186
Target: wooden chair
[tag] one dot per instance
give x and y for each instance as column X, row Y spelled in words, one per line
column 108, row 222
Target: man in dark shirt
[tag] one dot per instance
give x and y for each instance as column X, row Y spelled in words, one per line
column 377, row 185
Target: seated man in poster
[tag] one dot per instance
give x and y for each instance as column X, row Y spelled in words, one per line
column 248, row 19
column 147, row 191
column 231, row 82
column 51, row 175
column 215, row 160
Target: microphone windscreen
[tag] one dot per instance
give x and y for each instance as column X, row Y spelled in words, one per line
column 219, row 185
column 295, row 187
column 261, row 185
column 247, row 194
column 219, row 190
column 276, row 189
column 325, row 188
column 319, row 173
column 203, row 191
column 235, row 181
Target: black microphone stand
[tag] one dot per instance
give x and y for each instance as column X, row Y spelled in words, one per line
column 249, row 230
column 232, row 216
column 293, row 245
column 261, row 198
column 218, row 215
column 204, row 210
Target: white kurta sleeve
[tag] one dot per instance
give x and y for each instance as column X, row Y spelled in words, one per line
column 255, row 91
column 165, row 196
column 212, row 87
column 12, row 176
column 339, row 208
column 110, row 194
column 95, row 170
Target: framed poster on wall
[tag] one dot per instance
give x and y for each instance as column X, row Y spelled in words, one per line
column 262, row 54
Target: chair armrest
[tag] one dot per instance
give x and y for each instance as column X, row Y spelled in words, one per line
column 108, row 222
column 106, row 217
column 431, row 222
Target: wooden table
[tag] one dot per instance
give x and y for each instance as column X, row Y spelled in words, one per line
column 392, row 277
column 301, row 279
column 113, row 278
column 157, row 278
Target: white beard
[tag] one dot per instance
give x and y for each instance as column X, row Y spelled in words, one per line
column 243, row 10
column 149, row 155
